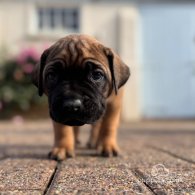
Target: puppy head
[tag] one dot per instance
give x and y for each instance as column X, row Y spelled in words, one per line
column 77, row 74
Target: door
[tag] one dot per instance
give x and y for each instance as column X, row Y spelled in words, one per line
column 168, row 61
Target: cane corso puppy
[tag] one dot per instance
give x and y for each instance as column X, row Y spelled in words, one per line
column 83, row 81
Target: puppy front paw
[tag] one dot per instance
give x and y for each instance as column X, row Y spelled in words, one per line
column 60, row 154
column 109, row 148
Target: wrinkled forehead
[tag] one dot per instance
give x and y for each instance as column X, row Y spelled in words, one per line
column 74, row 51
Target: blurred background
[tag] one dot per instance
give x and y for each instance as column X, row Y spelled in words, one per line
column 156, row 38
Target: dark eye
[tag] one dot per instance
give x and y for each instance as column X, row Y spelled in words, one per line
column 51, row 77
column 97, row 75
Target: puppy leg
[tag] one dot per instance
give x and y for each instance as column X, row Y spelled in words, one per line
column 108, row 131
column 63, row 142
column 94, row 134
column 76, row 135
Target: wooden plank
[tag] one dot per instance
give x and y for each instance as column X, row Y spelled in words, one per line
column 163, row 180
column 94, row 176
column 179, row 145
column 25, row 175
column 22, row 192
column 163, row 172
column 177, row 139
column 135, row 170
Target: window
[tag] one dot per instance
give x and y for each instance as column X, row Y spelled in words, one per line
column 52, row 19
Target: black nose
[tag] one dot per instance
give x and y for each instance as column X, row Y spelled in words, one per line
column 72, row 105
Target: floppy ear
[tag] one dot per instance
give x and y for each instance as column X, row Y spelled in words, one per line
column 120, row 72
column 37, row 76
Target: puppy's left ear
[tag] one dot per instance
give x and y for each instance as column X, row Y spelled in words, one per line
column 37, row 75
column 120, row 72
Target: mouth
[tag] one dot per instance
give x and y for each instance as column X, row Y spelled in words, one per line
column 69, row 122
column 73, row 122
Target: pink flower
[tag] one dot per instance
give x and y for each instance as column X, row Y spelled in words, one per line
column 28, row 68
column 28, row 53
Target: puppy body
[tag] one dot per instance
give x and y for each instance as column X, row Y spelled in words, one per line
column 83, row 80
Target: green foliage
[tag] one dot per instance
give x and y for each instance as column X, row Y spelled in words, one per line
column 16, row 89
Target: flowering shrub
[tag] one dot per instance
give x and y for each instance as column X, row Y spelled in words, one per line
column 16, row 89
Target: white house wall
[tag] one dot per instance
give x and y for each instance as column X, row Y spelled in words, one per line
column 12, row 23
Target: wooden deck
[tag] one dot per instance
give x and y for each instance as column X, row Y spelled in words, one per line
column 157, row 158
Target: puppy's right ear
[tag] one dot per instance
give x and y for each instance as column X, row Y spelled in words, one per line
column 37, row 75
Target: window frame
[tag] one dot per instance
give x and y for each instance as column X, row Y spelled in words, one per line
column 53, row 18
column 33, row 24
